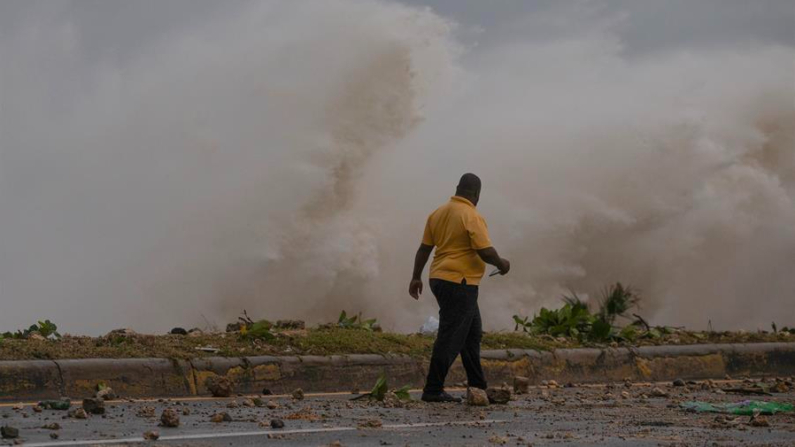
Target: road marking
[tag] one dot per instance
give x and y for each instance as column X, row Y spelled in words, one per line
column 260, row 433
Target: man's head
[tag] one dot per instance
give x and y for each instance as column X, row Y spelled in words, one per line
column 469, row 188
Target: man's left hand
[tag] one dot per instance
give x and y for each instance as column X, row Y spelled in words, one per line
column 415, row 288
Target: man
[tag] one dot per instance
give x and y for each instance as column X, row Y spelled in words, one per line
column 463, row 248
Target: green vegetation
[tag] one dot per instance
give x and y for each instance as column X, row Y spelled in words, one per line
column 381, row 388
column 357, row 322
column 46, row 329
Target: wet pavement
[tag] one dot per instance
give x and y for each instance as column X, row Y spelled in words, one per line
column 620, row 414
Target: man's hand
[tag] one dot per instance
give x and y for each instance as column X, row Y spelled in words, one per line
column 505, row 267
column 415, row 288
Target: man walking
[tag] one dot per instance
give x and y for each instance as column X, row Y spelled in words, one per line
column 463, row 248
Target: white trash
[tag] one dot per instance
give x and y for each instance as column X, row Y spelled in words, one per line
column 430, row 327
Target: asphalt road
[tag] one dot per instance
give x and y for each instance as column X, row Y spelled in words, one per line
column 592, row 415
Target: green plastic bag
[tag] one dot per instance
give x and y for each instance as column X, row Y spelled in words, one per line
column 744, row 408
column 62, row 404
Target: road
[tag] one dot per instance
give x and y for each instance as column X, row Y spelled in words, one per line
column 579, row 415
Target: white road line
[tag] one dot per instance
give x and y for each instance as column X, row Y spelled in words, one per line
column 257, row 433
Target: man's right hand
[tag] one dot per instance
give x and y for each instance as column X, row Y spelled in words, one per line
column 415, row 288
column 505, row 267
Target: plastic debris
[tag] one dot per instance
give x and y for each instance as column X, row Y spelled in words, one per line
column 430, row 327
column 744, row 408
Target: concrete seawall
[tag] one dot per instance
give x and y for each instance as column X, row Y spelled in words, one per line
column 151, row 377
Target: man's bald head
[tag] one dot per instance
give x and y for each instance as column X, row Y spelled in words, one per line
column 469, row 187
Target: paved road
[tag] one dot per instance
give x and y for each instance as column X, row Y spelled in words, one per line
column 592, row 415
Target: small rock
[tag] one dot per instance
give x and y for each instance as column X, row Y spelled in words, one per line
column 759, row 421
column 248, row 403
column 219, row 386
column 178, row 331
column 106, row 393
column 186, row 411
column 221, row 417
column 9, row 432
column 146, row 412
column 625, row 395
column 477, row 397
column 338, row 444
column 169, row 418
column 277, row 423
column 36, row 336
column 658, row 392
column 195, row 332
column 266, row 392
column 272, row 405
column 498, row 395
column 151, row 435
column 37, row 409
column 18, row 407
column 552, row 384
column 258, row 402
column 78, row 413
column 371, row 423
column 52, row 426
column 499, row 440
column 298, row 394
column 780, row 387
column 679, row 382
column 94, row 406
column 521, row 385
column 232, row 404
column 391, row 400
column 53, row 435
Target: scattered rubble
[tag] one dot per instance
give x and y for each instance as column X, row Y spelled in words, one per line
column 94, row 406
column 146, row 412
column 219, row 386
column 758, row 420
column 61, row 404
column 521, row 385
column 8, row 432
column 272, row 405
column 106, row 393
column 169, row 418
column 371, row 423
column 151, row 435
column 498, row 395
column 658, row 392
column 51, row 426
column 78, row 413
column 298, row 394
column 221, row 417
column 477, row 397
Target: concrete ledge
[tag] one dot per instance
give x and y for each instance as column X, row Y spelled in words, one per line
column 137, row 378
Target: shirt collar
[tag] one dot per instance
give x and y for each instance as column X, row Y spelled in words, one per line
column 462, row 200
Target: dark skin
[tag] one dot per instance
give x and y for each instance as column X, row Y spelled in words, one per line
column 488, row 255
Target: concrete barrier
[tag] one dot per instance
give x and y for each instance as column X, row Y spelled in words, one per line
column 38, row 379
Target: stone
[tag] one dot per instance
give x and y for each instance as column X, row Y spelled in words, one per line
column 759, row 421
column 277, row 423
column 272, row 405
column 9, row 432
column 195, row 332
column 248, row 403
column 499, row 440
column 53, row 435
column 37, row 409
column 178, row 331
column 94, row 405
column 221, row 417
column 258, row 402
column 152, row 435
column 780, row 387
column 266, row 392
column 391, row 400
column 169, row 418
column 625, row 395
column 658, row 392
column 371, row 423
column 219, row 386
column 51, row 426
column 679, row 382
column 106, row 393
column 553, row 384
column 521, row 385
column 232, row 404
column 498, row 395
column 78, row 413
column 186, row 411
column 146, row 412
column 477, row 397
column 298, row 394
column 36, row 336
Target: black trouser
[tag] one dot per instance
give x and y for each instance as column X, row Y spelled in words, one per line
column 460, row 332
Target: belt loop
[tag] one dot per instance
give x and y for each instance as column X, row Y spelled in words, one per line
column 464, row 282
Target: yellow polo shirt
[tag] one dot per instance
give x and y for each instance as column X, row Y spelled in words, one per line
column 457, row 230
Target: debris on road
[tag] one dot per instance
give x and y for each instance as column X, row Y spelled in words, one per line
column 298, row 394
column 371, row 423
column 8, row 432
column 499, row 440
column 62, row 404
column 94, row 406
column 78, row 413
column 277, row 423
column 272, row 405
column 679, row 382
column 757, row 420
column 658, row 392
column 304, row 414
column 221, row 417
column 169, row 418
column 152, row 435
column 521, row 385
column 219, row 386
column 146, row 412
column 105, row 393
column 477, row 397
column 51, row 426
column 744, row 408
column 498, row 395
column 747, row 391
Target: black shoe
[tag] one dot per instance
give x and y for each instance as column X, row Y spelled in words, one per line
column 440, row 397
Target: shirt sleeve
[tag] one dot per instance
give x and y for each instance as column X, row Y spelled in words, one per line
column 427, row 236
column 478, row 232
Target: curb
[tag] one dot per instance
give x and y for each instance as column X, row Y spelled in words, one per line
column 151, row 377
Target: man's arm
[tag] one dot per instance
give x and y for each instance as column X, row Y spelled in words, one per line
column 490, row 256
column 420, row 259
